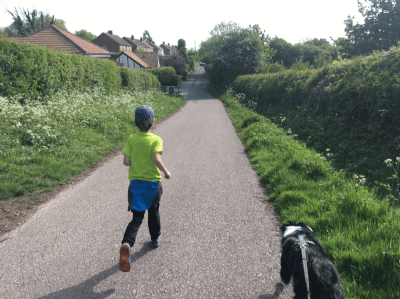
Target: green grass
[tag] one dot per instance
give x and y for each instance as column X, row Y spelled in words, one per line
column 360, row 232
column 44, row 145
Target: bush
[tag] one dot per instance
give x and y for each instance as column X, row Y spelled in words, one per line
column 178, row 62
column 276, row 67
column 138, row 79
column 166, row 75
column 300, row 65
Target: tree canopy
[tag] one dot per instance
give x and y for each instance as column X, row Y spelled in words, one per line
column 86, row 35
column 235, row 51
column 381, row 28
column 31, row 22
column 147, row 37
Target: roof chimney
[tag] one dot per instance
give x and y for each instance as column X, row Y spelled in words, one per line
column 132, row 37
column 110, row 32
column 163, row 43
column 168, row 44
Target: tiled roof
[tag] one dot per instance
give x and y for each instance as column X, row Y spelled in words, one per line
column 169, row 47
column 151, row 58
column 155, row 46
column 135, row 58
column 61, row 40
column 147, row 44
column 136, row 42
column 119, row 40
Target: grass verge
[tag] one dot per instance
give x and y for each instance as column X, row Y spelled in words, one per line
column 43, row 145
column 360, row 233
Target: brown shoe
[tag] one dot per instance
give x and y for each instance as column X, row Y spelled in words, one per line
column 125, row 259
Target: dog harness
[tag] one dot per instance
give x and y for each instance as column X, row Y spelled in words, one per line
column 302, row 243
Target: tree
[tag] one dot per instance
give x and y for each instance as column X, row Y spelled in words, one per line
column 147, row 37
column 381, row 26
column 182, row 49
column 244, row 51
column 86, row 35
column 182, row 46
column 286, row 53
column 178, row 62
column 221, row 32
column 31, row 23
column 9, row 30
column 317, row 42
column 300, row 65
column 321, row 59
column 276, row 67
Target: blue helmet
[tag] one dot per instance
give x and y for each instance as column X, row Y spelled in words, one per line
column 144, row 112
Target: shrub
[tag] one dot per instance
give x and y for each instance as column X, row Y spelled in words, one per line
column 166, row 75
column 276, row 67
column 138, row 79
column 178, row 62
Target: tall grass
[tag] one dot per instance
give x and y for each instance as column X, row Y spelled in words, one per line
column 42, row 144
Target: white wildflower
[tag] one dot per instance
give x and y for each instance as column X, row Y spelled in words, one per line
column 388, row 161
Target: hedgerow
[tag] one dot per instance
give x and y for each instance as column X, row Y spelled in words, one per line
column 348, row 109
column 38, row 72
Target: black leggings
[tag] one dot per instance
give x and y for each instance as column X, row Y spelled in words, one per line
column 137, row 218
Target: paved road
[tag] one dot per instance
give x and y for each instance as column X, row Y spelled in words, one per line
column 218, row 240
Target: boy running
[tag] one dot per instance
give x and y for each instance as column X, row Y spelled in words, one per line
column 142, row 152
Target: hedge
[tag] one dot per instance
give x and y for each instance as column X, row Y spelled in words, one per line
column 350, row 107
column 166, row 75
column 37, row 72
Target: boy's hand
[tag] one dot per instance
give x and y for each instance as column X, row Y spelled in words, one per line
column 167, row 175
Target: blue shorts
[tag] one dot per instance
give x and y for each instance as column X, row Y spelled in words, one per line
column 142, row 193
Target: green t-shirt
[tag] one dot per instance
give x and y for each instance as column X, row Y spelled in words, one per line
column 140, row 148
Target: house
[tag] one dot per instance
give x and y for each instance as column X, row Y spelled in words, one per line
column 168, row 49
column 60, row 40
column 136, row 43
column 156, row 48
column 112, row 42
column 151, row 59
column 131, row 60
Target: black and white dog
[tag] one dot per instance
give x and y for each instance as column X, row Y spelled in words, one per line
column 322, row 274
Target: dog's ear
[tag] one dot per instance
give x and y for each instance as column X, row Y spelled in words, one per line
column 286, row 224
column 305, row 226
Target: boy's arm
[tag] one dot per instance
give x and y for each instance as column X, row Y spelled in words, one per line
column 127, row 160
column 158, row 162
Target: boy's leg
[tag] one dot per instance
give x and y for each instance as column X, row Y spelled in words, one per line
column 154, row 222
column 154, row 216
column 133, row 228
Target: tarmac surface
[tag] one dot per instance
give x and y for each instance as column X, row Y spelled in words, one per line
column 219, row 239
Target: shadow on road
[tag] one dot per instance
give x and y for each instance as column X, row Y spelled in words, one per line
column 85, row 289
column 278, row 290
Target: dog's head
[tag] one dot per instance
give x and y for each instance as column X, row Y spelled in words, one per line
column 290, row 225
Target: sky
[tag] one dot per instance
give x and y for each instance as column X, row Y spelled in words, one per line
column 168, row 21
